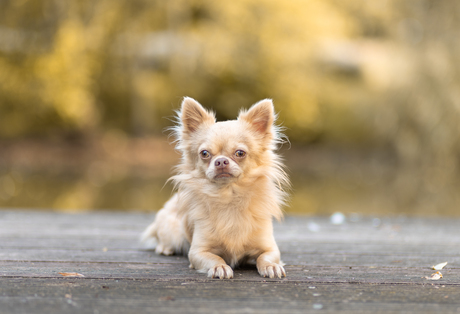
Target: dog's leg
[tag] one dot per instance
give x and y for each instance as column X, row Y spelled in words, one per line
column 210, row 263
column 269, row 264
column 166, row 233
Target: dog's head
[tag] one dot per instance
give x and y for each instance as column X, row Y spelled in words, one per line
column 228, row 151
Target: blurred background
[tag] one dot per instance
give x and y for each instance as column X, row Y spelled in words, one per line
column 369, row 93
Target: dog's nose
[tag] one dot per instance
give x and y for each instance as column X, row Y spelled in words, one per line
column 221, row 162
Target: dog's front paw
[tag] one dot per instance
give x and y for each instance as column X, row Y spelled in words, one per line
column 271, row 270
column 221, row 271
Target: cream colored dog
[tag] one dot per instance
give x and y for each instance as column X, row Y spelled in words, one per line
column 229, row 188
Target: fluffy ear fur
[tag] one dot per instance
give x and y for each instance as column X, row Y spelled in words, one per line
column 260, row 116
column 193, row 115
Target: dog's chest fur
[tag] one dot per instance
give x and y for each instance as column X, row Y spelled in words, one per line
column 234, row 229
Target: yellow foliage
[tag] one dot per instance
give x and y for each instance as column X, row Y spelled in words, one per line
column 126, row 64
column 268, row 44
column 66, row 75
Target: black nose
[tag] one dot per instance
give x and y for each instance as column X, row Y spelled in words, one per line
column 221, row 162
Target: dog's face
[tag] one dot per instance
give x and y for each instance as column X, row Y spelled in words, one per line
column 227, row 151
column 223, row 152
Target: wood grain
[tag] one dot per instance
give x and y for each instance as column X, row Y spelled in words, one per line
column 360, row 266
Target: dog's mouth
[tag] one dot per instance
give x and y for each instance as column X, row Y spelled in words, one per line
column 224, row 175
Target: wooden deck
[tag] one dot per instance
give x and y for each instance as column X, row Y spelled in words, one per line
column 367, row 265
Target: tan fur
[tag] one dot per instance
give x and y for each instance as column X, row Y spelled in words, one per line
column 229, row 188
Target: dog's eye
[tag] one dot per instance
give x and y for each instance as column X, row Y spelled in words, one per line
column 240, row 153
column 205, row 154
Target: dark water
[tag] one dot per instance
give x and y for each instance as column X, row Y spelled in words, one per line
column 310, row 194
column 80, row 193
column 324, row 181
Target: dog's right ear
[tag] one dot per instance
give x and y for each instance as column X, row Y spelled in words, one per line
column 193, row 116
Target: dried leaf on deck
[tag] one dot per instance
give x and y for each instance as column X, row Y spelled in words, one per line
column 434, row 276
column 439, row 266
column 71, row 275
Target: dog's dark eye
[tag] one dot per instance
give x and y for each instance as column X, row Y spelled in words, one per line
column 205, row 154
column 240, row 153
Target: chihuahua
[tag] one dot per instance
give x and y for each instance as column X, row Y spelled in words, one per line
column 230, row 185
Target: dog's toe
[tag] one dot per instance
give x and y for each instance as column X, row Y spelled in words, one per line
column 221, row 271
column 272, row 270
column 164, row 250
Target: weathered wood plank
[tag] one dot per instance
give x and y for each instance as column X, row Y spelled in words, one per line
column 311, row 245
column 354, row 267
column 144, row 296
column 180, row 271
column 315, row 258
column 119, row 226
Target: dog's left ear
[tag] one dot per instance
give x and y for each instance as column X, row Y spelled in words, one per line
column 260, row 116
